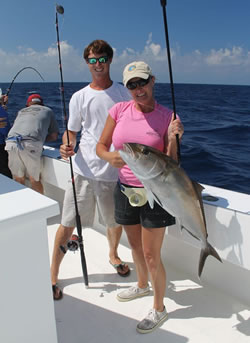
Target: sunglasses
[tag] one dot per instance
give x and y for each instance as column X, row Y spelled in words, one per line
column 139, row 83
column 102, row 59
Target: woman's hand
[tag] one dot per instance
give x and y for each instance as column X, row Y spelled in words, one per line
column 115, row 159
column 175, row 128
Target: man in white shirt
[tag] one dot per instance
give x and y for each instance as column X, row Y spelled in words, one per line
column 94, row 178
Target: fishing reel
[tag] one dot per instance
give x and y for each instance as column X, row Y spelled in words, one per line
column 72, row 245
column 137, row 196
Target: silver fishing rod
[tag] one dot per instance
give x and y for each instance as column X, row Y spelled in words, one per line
column 60, row 10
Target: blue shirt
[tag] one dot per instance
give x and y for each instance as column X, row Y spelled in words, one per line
column 4, row 130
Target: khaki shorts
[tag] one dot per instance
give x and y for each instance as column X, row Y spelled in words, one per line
column 91, row 195
column 26, row 162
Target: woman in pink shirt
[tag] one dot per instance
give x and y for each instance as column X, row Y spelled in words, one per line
column 141, row 120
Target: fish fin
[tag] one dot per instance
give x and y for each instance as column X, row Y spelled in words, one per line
column 205, row 252
column 183, row 227
column 198, row 189
column 150, row 199
column 157, row 199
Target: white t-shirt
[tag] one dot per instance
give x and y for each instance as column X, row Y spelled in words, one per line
column 88, row 111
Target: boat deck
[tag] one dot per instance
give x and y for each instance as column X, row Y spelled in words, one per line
column 93, row 315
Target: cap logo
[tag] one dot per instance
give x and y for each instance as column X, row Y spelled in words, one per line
column 131, row 68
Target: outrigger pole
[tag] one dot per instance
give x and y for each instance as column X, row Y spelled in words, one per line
column 60, row 10
column 10, row 86
column 163, row 4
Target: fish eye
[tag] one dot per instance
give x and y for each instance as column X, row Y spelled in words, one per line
column 145, row 151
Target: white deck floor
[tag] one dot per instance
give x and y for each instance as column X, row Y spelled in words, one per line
column 196, row 314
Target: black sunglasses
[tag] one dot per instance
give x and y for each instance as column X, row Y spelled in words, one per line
column 102, row 59
column 139, row 83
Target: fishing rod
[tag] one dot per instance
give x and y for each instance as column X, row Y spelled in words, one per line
column 60, row 10
column 10, row 86
column 163, row 4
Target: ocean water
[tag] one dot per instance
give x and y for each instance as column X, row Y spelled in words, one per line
column 215, row 148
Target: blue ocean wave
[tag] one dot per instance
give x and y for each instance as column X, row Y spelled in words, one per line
column 215, row 148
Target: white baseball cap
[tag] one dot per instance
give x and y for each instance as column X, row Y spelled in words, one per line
column 136, row 69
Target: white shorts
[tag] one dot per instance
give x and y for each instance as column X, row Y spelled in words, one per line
column 90, row 194
column 26, row 162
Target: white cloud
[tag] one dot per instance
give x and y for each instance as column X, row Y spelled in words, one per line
column 226, row 56
column 46, row 62
column 224, row 65
column 151, row 47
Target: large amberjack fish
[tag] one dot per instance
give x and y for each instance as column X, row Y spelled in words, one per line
column 169, row 185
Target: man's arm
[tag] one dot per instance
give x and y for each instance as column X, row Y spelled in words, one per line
column 3, row 123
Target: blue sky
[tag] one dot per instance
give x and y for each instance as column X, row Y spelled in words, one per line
column 209, row 39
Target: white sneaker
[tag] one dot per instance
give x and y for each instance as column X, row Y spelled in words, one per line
column 152, row 321
column 132, row 293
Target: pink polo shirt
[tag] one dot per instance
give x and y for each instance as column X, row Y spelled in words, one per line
column 133, row 126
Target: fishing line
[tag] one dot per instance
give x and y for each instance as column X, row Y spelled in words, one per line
column 163, row 4
column 60, row 10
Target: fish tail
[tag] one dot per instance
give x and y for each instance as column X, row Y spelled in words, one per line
column 208, row 250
